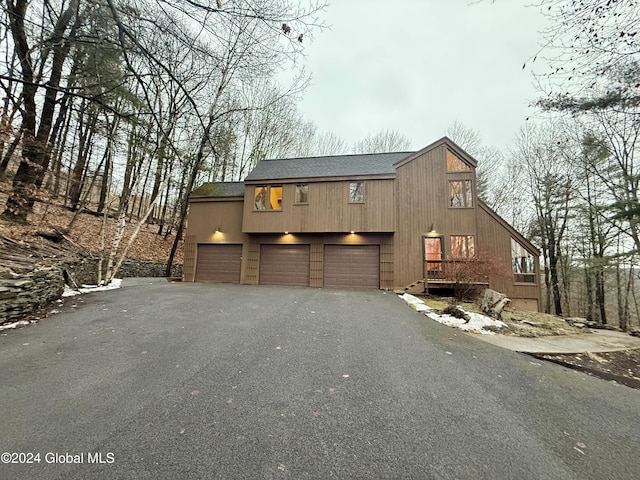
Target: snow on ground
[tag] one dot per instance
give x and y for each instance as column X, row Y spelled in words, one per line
column 70, row 292
column 20, row 323
column 476, row 324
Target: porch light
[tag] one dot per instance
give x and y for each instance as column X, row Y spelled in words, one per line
column 432, row 232
column 286, row 233
column 218, row 229
column 352, row 232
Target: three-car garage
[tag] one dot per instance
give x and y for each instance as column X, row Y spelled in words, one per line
column 341, row 265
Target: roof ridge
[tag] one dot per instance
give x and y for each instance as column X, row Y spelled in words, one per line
column 337, row 156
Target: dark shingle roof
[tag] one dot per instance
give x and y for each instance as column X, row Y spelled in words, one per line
column 219, row 189
column 334, row 166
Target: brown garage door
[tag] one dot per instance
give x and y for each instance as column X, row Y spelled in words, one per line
column 284, row 265
column 218, row 263
column 352, row 266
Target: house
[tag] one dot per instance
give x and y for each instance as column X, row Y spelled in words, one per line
column 355, row 221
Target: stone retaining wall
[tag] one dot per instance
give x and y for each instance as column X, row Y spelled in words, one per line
column 29, row 292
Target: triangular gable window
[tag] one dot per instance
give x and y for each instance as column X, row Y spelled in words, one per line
column 454, row 164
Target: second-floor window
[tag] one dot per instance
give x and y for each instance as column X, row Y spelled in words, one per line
column 460, row 194
column 302, row 194
column 356, row 192
column 268, row 198
column 462, row 246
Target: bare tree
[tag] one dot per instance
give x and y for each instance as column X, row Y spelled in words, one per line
column 587, row 39
column 46, row 38
column 383, row 141
column 541, row 152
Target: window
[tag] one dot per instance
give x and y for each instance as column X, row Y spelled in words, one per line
column 356, row 192
column 268, row 198
column 302, row 194
column 460, row 194
column 523, row 263
column 462, row 246
column 454, row 164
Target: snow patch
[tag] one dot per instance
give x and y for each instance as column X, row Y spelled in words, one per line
column 415, row 303
column 70, row 292
column 20, row 323
column 476, row 324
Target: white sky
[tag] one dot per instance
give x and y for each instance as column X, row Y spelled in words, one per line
column 416, row 66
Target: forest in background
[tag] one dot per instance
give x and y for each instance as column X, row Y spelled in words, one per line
column 122, row 107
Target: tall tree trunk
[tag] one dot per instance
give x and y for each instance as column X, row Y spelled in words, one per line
column 35, row 142
column 78, row 173
column 601, row 294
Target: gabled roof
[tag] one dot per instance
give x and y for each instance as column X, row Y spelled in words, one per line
column 219, row 189
column 446, row 141
column 322, row 167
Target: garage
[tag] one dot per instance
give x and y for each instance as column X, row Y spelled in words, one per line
column 352, row 266
column 218, row 263
column 284, row 265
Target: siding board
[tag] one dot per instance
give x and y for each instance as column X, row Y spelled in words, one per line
column 328, row 210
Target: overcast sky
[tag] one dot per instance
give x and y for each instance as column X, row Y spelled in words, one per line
column 416, row 66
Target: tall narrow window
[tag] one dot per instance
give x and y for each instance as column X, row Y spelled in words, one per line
column 432, row 247
column 276, row 198
column 356, row 192
column 261, row 198
column 460, row 194
column 523, row 263
column 462, row 246
column 302, row 194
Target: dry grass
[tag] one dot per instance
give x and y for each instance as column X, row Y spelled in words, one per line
column 519, row 322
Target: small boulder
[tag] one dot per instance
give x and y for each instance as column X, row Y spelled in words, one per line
column 494, row 302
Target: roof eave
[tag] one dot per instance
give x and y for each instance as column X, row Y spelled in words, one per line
column 343, row 178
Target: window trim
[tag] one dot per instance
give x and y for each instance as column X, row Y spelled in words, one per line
column 425, row 262
column 518, row 277
column 295, row 197
column 268, row 207
column 464, row 196
column 466, row 248
column 453, row 157
column 362, row 193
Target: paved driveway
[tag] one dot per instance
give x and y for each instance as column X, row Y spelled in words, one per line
column 168, row 381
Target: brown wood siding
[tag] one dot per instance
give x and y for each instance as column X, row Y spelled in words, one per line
column 328, row 210
column 284, row 265
column 423, row 203
column 218, row 263
column 206, row 215
column 189, row 262
column 494, row 236
column 352, row 266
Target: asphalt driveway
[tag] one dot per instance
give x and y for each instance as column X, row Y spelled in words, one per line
column 166, row 381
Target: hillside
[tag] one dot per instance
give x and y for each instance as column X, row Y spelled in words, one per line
column 86, row 232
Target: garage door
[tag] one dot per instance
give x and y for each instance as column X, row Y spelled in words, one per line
column 352, row 266
column 218, row 263
column 284, row 265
